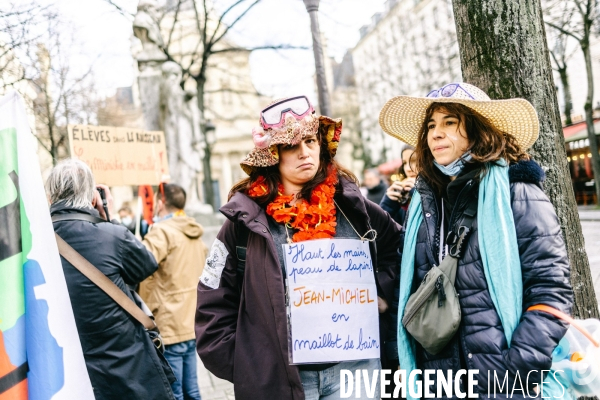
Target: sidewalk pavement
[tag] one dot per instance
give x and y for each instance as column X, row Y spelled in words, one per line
column 589, row 213
column 211, row 387
column 590, row 225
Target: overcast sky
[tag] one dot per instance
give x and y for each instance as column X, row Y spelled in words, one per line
column 104, row 36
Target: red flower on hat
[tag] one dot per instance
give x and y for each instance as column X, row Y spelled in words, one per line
column 337, row 134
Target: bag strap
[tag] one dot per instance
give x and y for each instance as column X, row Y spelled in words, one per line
column 455, row 240
column 104, row 283
column 78, row 217
column 561, row 315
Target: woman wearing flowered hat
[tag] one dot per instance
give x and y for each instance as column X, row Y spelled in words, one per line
column 295, row 192
column 473, row 170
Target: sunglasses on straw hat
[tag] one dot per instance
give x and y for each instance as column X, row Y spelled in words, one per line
column 274, row 115
column 448, row 91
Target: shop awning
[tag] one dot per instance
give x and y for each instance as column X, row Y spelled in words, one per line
column 390, row 167
column 578, row 131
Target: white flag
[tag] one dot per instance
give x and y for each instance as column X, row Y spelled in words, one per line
column 40, row 351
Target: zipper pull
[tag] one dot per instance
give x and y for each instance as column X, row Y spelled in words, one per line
column 439, row 285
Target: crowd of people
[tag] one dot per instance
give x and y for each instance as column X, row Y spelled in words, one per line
column 468, row 209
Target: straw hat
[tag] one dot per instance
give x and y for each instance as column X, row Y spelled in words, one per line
column 403, row 116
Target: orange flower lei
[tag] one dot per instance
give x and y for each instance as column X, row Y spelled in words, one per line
column 314, row 220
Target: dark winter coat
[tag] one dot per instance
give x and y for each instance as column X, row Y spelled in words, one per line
column 375, row 194
column 396, row 209
column 480, row 342
column 243, row 338
column 120, row 358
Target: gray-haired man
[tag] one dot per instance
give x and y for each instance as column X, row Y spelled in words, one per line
column 121, row 360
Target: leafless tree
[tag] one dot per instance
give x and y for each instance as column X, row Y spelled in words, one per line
column 211, row 29
column 578, row 19
column 560, row 51
column 560, row 55
column 35, row 45
column 201, row 21
column 64, row 96
column 19, row 33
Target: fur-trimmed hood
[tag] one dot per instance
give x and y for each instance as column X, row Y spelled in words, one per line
column 527, row 171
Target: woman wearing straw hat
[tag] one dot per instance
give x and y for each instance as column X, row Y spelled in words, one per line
column 473, row 170
column 295, row 192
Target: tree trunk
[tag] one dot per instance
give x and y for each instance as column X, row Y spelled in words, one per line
column 564, row 80
column 209, row 195
column 589, row 118
column 504, row 52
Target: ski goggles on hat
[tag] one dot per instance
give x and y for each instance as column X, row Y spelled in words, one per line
column 274, row 115
column 449, row 91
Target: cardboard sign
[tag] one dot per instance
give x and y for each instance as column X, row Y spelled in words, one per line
column 120, row 156
column 332, row 301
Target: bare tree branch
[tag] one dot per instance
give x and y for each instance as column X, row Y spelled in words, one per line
column 120, row 9
column 223, row 15
column 562, row 30
column 251, row 49
column 174, row 23
column 202, row 34
column 194, row 54
column 235, row 21
column 43, row 144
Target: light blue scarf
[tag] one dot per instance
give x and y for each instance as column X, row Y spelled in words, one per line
column 501, row 263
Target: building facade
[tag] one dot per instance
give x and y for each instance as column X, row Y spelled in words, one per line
column 408, row 49
column 411, row 48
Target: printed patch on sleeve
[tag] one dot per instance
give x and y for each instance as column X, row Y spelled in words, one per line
column 215, row 262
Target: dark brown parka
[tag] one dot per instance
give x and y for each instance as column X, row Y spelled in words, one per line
column 242, row 337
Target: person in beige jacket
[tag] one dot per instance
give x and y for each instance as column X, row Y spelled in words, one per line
column 170, row 293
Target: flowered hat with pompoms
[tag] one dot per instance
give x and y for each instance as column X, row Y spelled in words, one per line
column 297, row 120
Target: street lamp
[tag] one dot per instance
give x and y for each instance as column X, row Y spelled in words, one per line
column 209, row 141
column 312, row 6
column 210, row 132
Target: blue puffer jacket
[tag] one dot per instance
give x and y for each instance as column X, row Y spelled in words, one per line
column 480, row 342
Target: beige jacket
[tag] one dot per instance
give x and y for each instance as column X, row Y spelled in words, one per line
column 170, row 292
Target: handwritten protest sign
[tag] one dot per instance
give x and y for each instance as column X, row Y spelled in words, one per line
column 120, row 156
column 332, row 302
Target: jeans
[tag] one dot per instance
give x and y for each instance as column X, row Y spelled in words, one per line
column 182, row 358
column 325, row 385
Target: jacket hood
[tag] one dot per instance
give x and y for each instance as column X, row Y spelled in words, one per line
column 187, row 225
column 526, row 171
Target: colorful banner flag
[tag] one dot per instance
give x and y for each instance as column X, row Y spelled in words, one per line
column 40, row 352
column 146, row 193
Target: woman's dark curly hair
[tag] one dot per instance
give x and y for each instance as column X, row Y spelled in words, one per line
column 487, row 144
